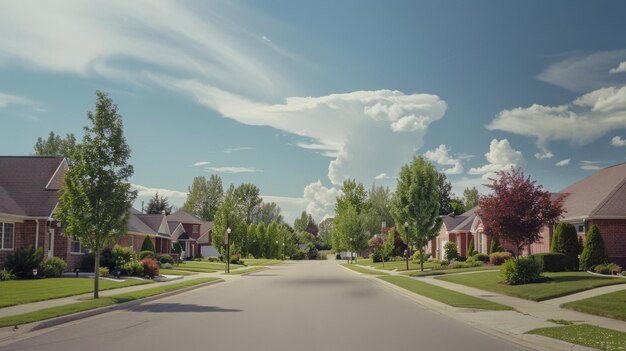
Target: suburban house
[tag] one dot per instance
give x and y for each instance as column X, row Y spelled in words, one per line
column 187, row 231
column 29, row 193
column 205, row 240
column 459, row 229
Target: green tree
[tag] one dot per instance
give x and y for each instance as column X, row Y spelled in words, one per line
column 247, row 196
column 326, row 233
column 214, row 196
column 377, row 209
column 261, row 237
column 470, row 248
column 594, row 252
column 348, row 230
column 565, row 241
column 417, row 202
column 273, row 240
column 457, row 206
column 147, row 244
column 96, row 199
column 495, row 245
column 470, row 198
column 228, row 216
column 353, row 193
column 388, row 245
column 301, row 224
column 253, row 243
column 451, row 251
column 55, row 145
column 268, row 213
column 197, row 201
column 158, row 204
column 445, row 194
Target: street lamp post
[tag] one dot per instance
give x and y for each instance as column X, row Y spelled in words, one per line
column 227, row 242
column 351, row 253
column 406, row 236
column 284, row 252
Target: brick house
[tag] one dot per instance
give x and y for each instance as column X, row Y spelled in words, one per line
column 187, row 231
column 459, row 229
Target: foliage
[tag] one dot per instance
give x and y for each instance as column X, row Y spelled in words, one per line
column 104, row 272
column 377, row 209
column 470, row 198
column 459, row 265
column 445, row 194
column 126, row 261
column 268, row 213
column 229, row 216
column 326, row 233
column 352, row 193
column 451, row 252
column 247, row 197
column 416, row 202
column 457, row 206
column 565, row 241
column 594, row 252
column 6, row 275
column 388, row 244
column 166, row 259
column 22, row 262
column 479, row 257
column 524, row 270
column 158, row 205
column 348, row 230
column 147, row 245
column 146, row 253
column 377, row 256
column 470, row 248
column 608, row 268
column 495, row 245
column 312, row 254
column 96, row 198
column 165, row 266
column 498, row 258
column 56, row 146
column 550, row 262
column 588, row 335
column 52, row 267
column 418, row 257
column 150, row 267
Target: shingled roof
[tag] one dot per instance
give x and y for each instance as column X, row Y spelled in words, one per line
column 29, row 184
column 183, row 217
column 601, row 195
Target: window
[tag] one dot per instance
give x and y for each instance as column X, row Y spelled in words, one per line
column 581, row 228
column 131, row 241
column 7, row 233
column 77, row 246
column 196, row 229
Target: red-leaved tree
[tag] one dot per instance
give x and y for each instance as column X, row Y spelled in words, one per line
column 517, row 208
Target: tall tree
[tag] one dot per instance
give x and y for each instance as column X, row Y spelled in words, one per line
column 352, row 192
column 248, row 197
column 445, row 194
column 268, row 213
column 470, row 198
column 95, row 201
column 326, row 233
column 517, row 208
column 229, row 216
column 348, row 233
column 197, row 201
column 417, row 203
column 301, row 223
column 214, row 196
column 55, row 145
column 158, row 204
column 378, row 209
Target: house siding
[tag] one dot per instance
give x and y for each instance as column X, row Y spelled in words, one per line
column 613, row 233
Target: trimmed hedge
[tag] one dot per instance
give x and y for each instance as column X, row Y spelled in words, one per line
column 550, row 262
column 522, row 271
column 594, row 252
column 498, row 258
column 147, row 245
column 565, row 241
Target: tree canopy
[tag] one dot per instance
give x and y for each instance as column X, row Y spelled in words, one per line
column 55, row 145
column 470, row 198
column 158, row 204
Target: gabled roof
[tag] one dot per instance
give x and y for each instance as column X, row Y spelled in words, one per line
column 204, row 238
column 156, row 222
column 602, row 194
column 184, row 217
column 452, row 221
column 29, row 184
column 206, row 227
column 136, row 225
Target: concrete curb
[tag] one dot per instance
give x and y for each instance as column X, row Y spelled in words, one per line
column 35, row 326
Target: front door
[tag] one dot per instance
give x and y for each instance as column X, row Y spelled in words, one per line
column 50, row 243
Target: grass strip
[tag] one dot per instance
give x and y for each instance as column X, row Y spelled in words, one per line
column 559, row 284
column 363, row 270
column 449, row 271
column 586, row 335
column 261, row 262
column 608, row 305
column 443, row 295
column 196, row 270
column 59, row 311
column 247, row 270
column 17, row 292
column 175, row 272
column 397, row 265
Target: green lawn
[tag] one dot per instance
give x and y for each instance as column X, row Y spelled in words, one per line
column 363, row 270
column 261, row 261
column 398, row 265
column 587, row 335
column 246, row 271
column 59, row 311
column 175, row 272
column 204, row 267
column 609, row 305
column 560, row 284
column 449, row 271
column 449, row 297
column 17, row 292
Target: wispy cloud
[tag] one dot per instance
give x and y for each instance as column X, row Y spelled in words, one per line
column 201, row 163
column 235, row 149
column 383, row 176
column 593, row 165
column 617, row 141
column 8, row 99
column 230, row 169
column 621, row 68
column 144, row 193
column 563, row 162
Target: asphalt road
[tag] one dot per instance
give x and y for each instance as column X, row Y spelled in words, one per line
column 300, row 306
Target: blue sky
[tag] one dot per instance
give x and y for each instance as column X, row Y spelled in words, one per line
column 297, row 96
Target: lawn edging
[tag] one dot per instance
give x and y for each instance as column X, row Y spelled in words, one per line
column 62, row 319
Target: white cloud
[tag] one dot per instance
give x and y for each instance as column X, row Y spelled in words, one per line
column 621, row 68
column 584, row 120
column 501, row 156
column 236, row 149
column 175, row 197
column 543, row 155
column 590, row 165
column 563, row 162
column 7, row 99
column 201, row 163
column 317, row 200
column 382, row 176
column 441, row 156
column 617, row 141
column 231, row 169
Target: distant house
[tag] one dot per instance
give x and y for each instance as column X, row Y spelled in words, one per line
column 188, row 233
column 459, row 229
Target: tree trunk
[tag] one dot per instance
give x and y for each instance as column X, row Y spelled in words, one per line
column 422, row 258
column 96, row 279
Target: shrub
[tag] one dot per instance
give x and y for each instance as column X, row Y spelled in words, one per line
column 22, row 262
column 107, row 259
column 550, row 262
column 456, row 265
column 166, row 259
column 497, row 258
column 338, row 256
column 121, row 255
column 450, row 250
column 417, row 257
column 146, row 253
column 522, row 271
column 199, row 259
column 132, row 268
column 312, row 255
column 461, row 258
column 594, row 252
column 377, row 256
column 480, row 257
column 148, row 245
column 150, row 267
column 235, row 259
column 608, row 268
column 104, row 272
column 495, row 245
column 213, row 259
column 565, row 241
column 166, row 265
column 470, row 248
column 52, row 267
column 6, row 275
column 299, row 255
